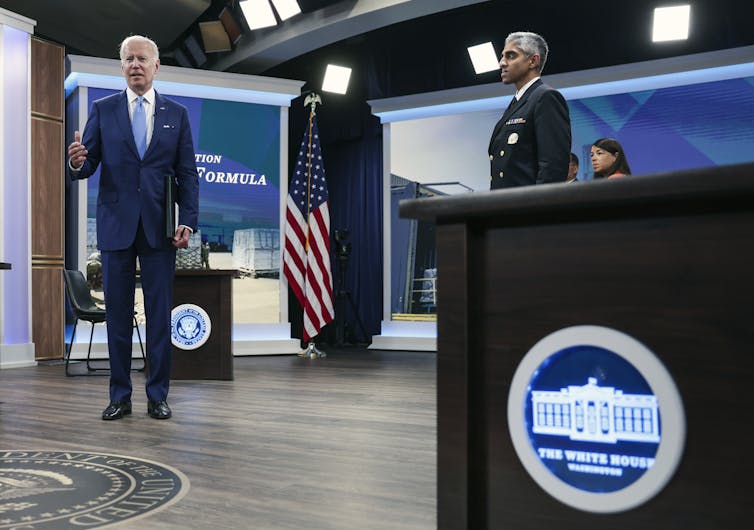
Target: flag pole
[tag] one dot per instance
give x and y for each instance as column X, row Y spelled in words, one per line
column 311, row 351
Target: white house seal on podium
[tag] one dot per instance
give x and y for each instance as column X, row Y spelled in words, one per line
column 190, row 326
column 596, row 419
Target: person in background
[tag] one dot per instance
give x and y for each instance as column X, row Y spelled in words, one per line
column 205, row 254
column 573, row 168
column 138, row 138
column 609, row 159
column 531, row 142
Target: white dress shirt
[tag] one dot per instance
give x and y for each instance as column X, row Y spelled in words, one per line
column 519, row 93
column 148, row 109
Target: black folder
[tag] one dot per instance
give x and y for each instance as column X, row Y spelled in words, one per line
column 171, row 198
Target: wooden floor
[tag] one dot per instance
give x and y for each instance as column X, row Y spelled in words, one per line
column 348, row 441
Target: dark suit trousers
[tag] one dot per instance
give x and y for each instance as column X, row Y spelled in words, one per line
column 119, row 278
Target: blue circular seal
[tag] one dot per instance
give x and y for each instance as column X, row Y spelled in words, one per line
column 596, row 419
column 190, row 326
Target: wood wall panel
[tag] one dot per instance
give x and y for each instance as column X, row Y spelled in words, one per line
column 47, row 71
column 47, row 189
column 48, row 322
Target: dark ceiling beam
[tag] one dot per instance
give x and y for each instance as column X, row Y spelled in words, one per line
column 96, row 27
column 302, row 34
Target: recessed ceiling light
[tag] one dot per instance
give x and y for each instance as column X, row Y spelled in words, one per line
column 671, row 23
column 258, row 13
column 336, row 79
column 484, row 58
column 286, row 8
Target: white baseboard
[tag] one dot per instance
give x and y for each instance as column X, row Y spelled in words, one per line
column 265, row 347
column 406, row 335
column 248, row 339
column 17, row 355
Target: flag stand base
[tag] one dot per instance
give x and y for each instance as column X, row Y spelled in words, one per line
column 312, row 352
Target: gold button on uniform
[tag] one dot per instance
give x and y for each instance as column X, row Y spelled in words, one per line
column 501, row 174
column 502, row 153
column 491, row 157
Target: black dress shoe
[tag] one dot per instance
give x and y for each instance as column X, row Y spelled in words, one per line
column 159, row 410
column 116, row 410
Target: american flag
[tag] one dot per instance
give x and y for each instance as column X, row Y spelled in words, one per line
column 306, row 260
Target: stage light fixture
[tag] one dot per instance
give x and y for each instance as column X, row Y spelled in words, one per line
column 336, row 79
column 671, row 23
column 230, row 24
column 286, row 8
column 483, row 58
column 214, row 36
column 258, row 13
column 195, row 50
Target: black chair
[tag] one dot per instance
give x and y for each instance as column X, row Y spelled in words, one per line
column 85, row 308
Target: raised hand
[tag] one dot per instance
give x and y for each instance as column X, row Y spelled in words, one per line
column 77, row 151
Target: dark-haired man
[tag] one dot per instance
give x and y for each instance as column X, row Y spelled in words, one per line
column 573, row 168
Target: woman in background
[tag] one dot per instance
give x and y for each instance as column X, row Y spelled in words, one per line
column 609, row 159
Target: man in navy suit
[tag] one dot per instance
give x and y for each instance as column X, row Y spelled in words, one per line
column 532, row 141
column 138, row 138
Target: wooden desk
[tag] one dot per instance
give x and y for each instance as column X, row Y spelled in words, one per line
column 666, row 258
column 210, row 289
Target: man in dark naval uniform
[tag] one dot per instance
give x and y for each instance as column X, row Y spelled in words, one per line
column 531, row 143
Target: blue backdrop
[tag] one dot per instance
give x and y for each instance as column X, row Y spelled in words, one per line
column 668, row 129
column 238, row 160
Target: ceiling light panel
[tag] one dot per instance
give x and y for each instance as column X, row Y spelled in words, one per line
column 286, row 8
column 484, row 58
column 336, row 79
column 258, row 13
column 671, row 23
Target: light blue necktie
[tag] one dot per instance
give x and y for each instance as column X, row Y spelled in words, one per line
column 139, row 127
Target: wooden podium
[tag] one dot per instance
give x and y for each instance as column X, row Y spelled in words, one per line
column 667, row 259
column 211, row 290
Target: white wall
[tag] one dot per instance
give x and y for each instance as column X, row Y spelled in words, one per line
column 444, row 149
column 16, row 346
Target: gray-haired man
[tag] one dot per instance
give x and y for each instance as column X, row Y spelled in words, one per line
column 532, row 141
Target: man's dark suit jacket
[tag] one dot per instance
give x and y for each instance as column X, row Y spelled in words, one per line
column 131, row 188
column 532, row 141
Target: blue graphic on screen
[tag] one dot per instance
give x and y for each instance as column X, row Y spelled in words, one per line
column 592, row 419
column 669, row 129
column 237, row 149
